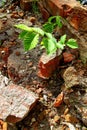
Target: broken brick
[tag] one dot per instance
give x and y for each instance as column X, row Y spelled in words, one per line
column 68, row 57
column 47, row 65
column 16, row 102
column 69, row 10
column 44, row 12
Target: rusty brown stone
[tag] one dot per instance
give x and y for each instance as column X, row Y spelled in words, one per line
column 72, row 10
column 47, row 65
column 68, row 57
column 32, row 20
column 44, row 12
column 53, row 7
column 16, row 102
column 78, row 18
column 76, row 21
column 4, row 53
column 21, row 13
column 60, row 7
column 25, row 4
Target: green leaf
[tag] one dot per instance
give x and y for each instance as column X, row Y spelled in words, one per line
column 63, row 39
column 30, row 29
column 72, row 43
column 51, row 19
column 49, row 45
column 38, row 30
column 30, row 41
column 60, row 45
column 48, row 27
column 22, row 34
column 59, row 21
column 56, row 21
column 49, row 35
column 23, row 27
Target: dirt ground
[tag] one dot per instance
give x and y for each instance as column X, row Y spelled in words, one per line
column 72, row 113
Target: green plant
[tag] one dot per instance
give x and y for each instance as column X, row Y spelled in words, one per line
column 31, row 36
column 52, row 23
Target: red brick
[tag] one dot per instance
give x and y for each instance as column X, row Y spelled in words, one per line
column 44, row 12
column 76, row 21
column 68, row 57
column 72, row 10
column 15, row 102
column 47, row 65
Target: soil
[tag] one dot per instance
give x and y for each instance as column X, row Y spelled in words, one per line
column 44, row 115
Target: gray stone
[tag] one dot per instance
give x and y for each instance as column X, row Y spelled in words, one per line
column 17, row 65
column 15, row 102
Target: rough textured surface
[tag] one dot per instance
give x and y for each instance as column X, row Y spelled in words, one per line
column 44, row 116
column 18, row 64
column 59, row 7
column 21, row 67
column 47, row 65
column 76, row 24
column 43, row 11
column 16, row 68
column 71, row 77
column 25, row 4
column 15, row 101
column 70, row 10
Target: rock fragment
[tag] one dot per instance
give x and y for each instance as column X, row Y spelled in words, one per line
column 47, row 65
column 71, row 77
column 25, row 4
column 76, row 24
column 16, row 102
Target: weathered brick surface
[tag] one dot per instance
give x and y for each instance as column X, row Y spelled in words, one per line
column 47, row 65
column 76, row 21
column 15, row 102
column 72, row 10
column 59, row 7
column 44, row 12
column 68, row 57
column 78, row 18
